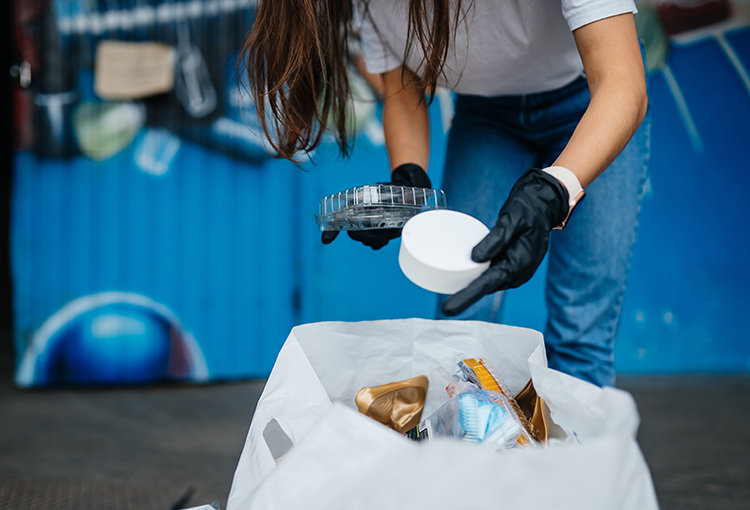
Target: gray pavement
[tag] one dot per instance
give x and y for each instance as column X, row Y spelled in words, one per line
column 143, row 448
column 137, row 448
column 695, row 437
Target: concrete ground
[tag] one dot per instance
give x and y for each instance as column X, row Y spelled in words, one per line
column 146, row 448
column 695, row 436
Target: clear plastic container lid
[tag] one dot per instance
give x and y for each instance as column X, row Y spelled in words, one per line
column 376, row 206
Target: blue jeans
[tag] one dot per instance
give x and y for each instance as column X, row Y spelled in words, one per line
column 492, row 142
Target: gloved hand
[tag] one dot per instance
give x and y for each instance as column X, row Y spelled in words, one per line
column 517, row 243
column 408, row 175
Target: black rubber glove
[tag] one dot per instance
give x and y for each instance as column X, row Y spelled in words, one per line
column 517, row 243
column 408, row 175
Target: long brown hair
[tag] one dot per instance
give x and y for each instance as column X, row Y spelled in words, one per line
column 296, row 60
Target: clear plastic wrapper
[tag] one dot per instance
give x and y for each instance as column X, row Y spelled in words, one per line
column 482, row 373
column 376, row 206
column 449, row 383
column 472, row 416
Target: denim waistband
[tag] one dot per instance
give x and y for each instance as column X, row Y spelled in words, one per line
column 537, row 117
column 529, row 101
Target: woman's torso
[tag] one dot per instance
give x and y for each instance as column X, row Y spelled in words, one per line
column 501, row 47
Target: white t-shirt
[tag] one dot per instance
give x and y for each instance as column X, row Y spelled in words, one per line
column 501, row 47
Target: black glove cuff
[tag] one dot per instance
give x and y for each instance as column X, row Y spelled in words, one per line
column 410, row 175
column 561, row 198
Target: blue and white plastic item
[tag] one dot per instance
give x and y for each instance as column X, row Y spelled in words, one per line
column 474, row 417
column 458, row 383
column 485, row 421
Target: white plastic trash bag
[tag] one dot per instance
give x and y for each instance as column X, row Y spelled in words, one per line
column 308, row 447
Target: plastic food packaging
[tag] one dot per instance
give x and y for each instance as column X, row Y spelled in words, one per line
column 482, row 373
column 472, row 416
column 486, row 421
column 451, row 384
column 376, row 206
column 436, row 250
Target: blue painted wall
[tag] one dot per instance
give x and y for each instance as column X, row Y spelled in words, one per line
column 209, row 240
column 688, row 294
column 220, row 241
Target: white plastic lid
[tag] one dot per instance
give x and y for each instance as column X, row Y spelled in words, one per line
column 436, row 250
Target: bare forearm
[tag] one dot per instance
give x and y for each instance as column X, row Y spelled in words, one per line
column 613, row 116
column 614, row 70
column 406, row 122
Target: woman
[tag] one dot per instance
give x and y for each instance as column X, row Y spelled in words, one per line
column 556, row 88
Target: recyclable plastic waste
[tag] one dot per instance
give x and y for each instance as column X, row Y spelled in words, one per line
column 308, row 446
column 376, row 206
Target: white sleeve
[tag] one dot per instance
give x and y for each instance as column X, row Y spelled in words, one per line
column 379, row 57
column 582, row 12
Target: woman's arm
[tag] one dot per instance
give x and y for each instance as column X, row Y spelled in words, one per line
column 614, row 70
column 518, row 242
column 406, row 125
column 406, row 122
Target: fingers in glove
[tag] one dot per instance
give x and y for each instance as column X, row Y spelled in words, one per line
column 521, row 261
column 497, row 241
column 517, row 266
column 485, row 284
column 375, row 239
column 410, row 174
column 328, row 236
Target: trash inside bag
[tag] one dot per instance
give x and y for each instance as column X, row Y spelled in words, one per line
column 396, row 405
column 332, row 456
column 473, row 416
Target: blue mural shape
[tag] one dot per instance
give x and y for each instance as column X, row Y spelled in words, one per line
column 111, row 338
